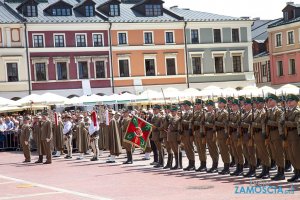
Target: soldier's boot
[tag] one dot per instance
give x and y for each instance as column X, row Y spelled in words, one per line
column 249, row 172
column 192, row 166
column 236, row 170
column 188, row 167
column 280, row 175
column 241, row 169
column 263, row 172
column 169, row 162
column 160, row 160
column 246, row 164
column 129, row 158
column 258, row 164
column 252, row 172
column 40, row 160
column 214, row 168
column 180, row 160
column 176, row 162
column 232, row 164
column 267, row 173
column 273, row 165
column 295, row 178
column 225, row 169
column 288, row 166
column 202, row 167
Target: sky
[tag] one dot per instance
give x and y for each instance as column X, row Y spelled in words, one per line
column 265, row 9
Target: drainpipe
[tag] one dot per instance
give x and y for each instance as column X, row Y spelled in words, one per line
column 110, row 58
column 186, row 56
column 28, row 61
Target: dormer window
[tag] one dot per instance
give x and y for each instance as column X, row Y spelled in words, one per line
column 31, row 11
column 89, row 11
column 114, row 10
column 152, row 10
column 61, row 11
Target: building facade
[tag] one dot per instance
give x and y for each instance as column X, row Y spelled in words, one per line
column 284, row 43
column 78, row 47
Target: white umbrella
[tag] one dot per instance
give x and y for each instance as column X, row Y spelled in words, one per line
column 288, row 89
column 265, row 90
column 73, row 101
column 7, row 102
column 50, row 98
column 31, row 99
column 212, row 91
column 230, row 92
column 190, row 92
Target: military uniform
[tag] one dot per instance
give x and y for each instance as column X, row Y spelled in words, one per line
column 82, row 138
column 292, row 125
column 46, row 133
column 156, row 120
column 25, row 141
column 163, row 135
column 36, row 130
column 58, row 139
column 127, row 146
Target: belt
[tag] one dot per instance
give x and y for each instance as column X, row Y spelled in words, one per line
column 292, row 129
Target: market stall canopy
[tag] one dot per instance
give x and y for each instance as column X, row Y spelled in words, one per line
column 52, row 99
column 288, row 89
column 8, row 102
column 31, row 99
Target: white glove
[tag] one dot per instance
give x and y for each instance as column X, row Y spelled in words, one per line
column 47, row 139
column 26, row 143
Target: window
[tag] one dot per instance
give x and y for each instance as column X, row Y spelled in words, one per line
column 264, row 70
column 122, row 38
column 269, row 72
column 235, row 35
column 97, row 40
column 89, row 11
column 279, row 68
column 195, row 36
column 291, row 37
column 150, row 67
column 292, row 67
column 217, row 35
column 171, row 66
column 59, row 40
column 278, row 40
column 196, row 62
column 38, row 41
column 12, row 72
column 40, row 71
column 100, row 69
column 61, row 11
column 114, row 10
column 148, row 38
column 219, row 65
column 237, row 64
column 124, row 68
column 83, row 70
column 153, row 10
column 80, row 41
column 169, row 37
column 62, row 71
column 31, row 11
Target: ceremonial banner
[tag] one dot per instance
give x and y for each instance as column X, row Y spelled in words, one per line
column 138, row 132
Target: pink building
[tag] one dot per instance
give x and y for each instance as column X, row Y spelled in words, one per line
column 284, row 43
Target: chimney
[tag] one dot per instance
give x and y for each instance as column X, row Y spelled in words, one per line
column 289, row 3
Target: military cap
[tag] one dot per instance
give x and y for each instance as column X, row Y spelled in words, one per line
column 174, row 109
column 27, row 118
column 248, row 101
column 235, row 101
column 45, row 114
column 186, row 102
column 253, row 99
column 241, row 98
column 273, row 97
column 292, row 97
column 157, row 107
column 167, row 107
column 210, row 103
column 222, row 100
column 259, row 100
column 111, row 111
column 230, row 99
column 199, row 101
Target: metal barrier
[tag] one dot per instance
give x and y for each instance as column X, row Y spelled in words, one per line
column 10, row 141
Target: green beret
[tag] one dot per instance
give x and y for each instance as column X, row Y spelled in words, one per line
column 235, row 101
column 167, row 107
column 199, row 101
column 230, row 99
column 157, row 107
column 241, row 98
column 273, row 97
column 292, row 97
column 260, row 100
column 253, row 99
column 222, row 100
column 186, row 102
column 210, row 103
column 248, row 101
column 174, row 109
